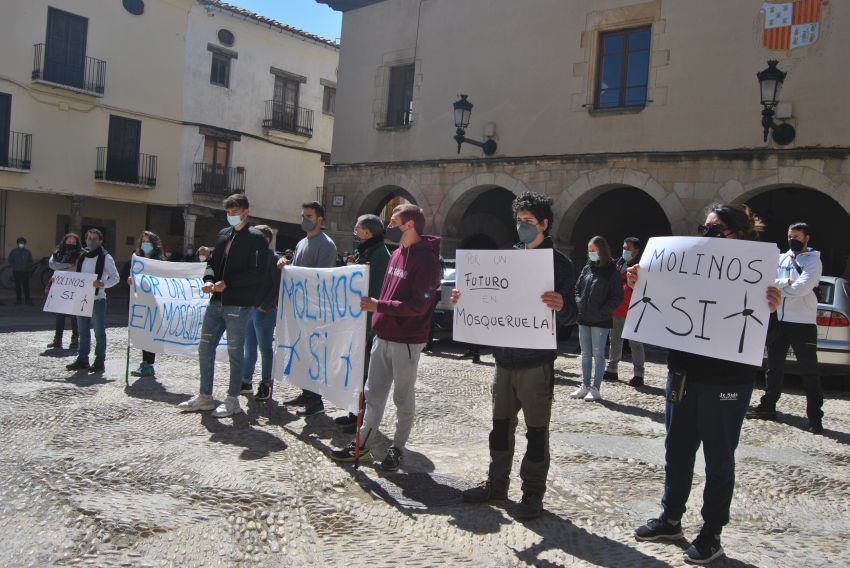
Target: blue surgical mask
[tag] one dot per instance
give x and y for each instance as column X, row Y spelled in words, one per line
column 147, row 248
column 526, row 232
column 307, row 225
column 627, row 255
column 593, row 256
column 234, row 220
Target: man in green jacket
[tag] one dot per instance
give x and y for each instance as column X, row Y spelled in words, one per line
column 369, row 231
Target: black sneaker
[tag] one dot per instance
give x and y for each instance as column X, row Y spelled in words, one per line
column 761, row 413
column 482, row 493
column 247, row 388
column 75, row 343
column 704, row 549
column 346, row 420
column 636, row 381
column 263, row 392
column 530, row 507
column 78, row 365
column 346, row 454
column 659, row 529
column 97, row 367
column 610, row 376
column 311, row 409
column 815, row 428
column 349, row 428
column 393, row 459
column 299, row 400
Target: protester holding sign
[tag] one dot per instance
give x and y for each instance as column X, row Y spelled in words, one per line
column 260, row 330
column 598, row 292
column 371, row 250
column 95, row 260
column 630, row 257
column 707, row 398
column 525, row 378
column 315, row 250
column 797, row 276
column 401, row 321
column 149, row 245
column 233, row 275
column 65, row 257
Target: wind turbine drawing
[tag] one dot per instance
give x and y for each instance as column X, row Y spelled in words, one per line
column 746, row 313
column 645, row 300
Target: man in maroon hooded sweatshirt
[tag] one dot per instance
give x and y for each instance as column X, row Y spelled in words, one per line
column 401, row 324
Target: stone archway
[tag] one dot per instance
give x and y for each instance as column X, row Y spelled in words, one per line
column 451, row 209
column 481, row 218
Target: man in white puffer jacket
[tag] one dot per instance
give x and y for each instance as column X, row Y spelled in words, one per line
column 797, row 276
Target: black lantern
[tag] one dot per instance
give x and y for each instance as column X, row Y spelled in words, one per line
column 462, row 113
column 770, row 83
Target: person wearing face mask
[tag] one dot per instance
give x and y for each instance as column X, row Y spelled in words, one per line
column 65, row 257
column 524, row 379
column 716, row 393
column 21, row 261
column 797, row 276
column 599, row 290
column 149, row 245
column 95, row 260
column 401, row 321
column 233, row 276
column 315, row 250
column 630, row 257
column 203, row 254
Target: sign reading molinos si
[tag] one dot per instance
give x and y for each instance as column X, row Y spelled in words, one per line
column 71, row 293
column 500, row 301
column 321, row 331
column 167, row 306
column 702, row 295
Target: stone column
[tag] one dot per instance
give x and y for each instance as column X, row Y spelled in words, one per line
column 188, row 230
column 76, row 223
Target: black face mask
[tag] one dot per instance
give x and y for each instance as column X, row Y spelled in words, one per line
column 715, row 231
column 795, row 245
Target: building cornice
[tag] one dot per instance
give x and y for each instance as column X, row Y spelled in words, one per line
column 347, row 5
column 734, row 154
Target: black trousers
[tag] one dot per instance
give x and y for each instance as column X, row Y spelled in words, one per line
column 148, row 357
column 60, row 326
column 803, row 338
column 22, row 284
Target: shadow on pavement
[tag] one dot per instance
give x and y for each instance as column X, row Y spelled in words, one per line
column 149, row 388
column 257, row 444
column 633, row 410
column 83, row 379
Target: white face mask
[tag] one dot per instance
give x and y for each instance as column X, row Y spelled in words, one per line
column 202, row 258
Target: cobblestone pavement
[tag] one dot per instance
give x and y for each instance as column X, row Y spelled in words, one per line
column 95, row 473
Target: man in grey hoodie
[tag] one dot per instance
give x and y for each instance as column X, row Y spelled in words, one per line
column 797, row 276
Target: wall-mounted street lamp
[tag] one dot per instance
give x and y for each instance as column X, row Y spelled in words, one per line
column 463, row 110
column 770, row 83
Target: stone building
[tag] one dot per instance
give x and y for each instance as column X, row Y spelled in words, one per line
column 633, row 116
column 129, row 114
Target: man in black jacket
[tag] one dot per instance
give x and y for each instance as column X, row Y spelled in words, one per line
column 233, row 276
column 525, row 378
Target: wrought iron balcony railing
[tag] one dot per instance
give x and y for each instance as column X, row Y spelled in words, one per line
column 86, row 74
column 288, row 118
column 19, row 152
column 218, row 180
column 139, row 169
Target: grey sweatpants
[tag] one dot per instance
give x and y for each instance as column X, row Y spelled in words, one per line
column 391, row 361
column 616, row 350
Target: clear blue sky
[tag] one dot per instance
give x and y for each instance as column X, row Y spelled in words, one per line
column 307, row 15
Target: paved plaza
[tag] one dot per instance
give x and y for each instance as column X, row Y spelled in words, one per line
column 96, row 473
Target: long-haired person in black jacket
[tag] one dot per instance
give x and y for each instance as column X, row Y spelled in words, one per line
column 599, row 290
column 716, row 396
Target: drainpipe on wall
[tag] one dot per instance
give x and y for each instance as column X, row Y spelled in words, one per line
column 4, row 199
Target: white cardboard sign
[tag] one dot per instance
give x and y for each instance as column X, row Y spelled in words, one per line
column 71, row 293
column 500, row 301
column 321, row 331
column 702, row 295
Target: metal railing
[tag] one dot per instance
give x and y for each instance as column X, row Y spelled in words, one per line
column 89, row 75
column 218, row 180
column 289, row 118
column 20, row 152
column 141, row 170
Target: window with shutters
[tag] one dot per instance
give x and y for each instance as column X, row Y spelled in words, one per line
column 220, row 70
column 329, row 101
column 400, row 99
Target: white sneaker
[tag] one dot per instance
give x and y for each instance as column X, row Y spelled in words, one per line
column 579, row 392
column 229, row 407
column 593, row 395
column 197, row 403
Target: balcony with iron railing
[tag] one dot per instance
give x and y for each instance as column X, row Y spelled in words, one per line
column 288, row 118
column 88, row 76
column 139, row 170
column 18, row 156
column 218, row 181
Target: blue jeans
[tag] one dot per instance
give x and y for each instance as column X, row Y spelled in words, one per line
column 710, row 415
column 592, row 343
column 259, row 333
column 96, row 322
column 217, row 320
